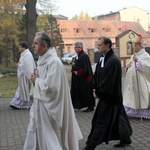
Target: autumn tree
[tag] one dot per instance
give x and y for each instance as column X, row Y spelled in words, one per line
column 82, row 16
column 46, row 7
column 52, row 27
column 32, row 16
column 12, row 10
column 74, row 17
column 12, row 6
column 41, row 21
column 22, row 27
column 8, row 9
column 87, row 16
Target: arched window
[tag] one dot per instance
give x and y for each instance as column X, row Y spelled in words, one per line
column 129, row 48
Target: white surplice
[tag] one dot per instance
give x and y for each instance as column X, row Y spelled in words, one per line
column 26, row 66
column 53, row 124
column 132, row 97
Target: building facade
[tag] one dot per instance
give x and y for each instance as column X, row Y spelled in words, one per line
column 131, row 14
column 88, row 33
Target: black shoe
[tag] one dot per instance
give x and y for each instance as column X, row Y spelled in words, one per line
column 14, row 107
column 88, row 110
column 123, row 143
column 11, row 106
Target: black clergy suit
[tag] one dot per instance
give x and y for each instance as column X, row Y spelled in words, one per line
column 110, row 121
column 81, row 84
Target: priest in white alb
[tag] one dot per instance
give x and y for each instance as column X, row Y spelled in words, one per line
column 136, row 93
column 53, row 125
column 25, row 68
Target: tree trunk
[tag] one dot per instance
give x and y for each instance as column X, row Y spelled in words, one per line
column 31, row 21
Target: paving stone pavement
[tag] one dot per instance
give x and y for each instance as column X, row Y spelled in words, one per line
column 13, row 127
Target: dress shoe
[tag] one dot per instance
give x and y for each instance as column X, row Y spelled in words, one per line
column 88, row 110
column 14, row 107
column 123, row 143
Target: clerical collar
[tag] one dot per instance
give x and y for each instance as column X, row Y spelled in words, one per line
column 101, row 60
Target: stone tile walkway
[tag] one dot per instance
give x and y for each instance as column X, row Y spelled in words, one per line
column 13, row 127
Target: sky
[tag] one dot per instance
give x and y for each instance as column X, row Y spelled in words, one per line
column 70, row 8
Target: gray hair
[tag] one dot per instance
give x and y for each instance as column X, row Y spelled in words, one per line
column 78, row 44
column 44, row 38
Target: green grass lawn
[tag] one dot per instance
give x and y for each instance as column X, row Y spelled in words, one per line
column 8, row 86
column 8, row 83
column 10, row 69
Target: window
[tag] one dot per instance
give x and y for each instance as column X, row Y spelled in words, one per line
column 129, row 48
column 63, row 30
column 93, row 30
column 122, row 28
column 78, row 30
column 107, row 29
